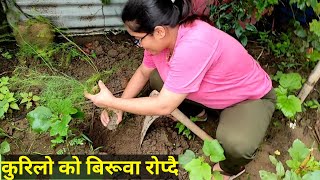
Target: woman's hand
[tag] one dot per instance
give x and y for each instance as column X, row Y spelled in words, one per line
column 105, row 116
column 103, row 99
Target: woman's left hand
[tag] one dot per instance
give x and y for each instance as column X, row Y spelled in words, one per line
column 103, row 99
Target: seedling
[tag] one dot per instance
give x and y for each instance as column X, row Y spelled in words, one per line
column 182, row 129
column 4, row 147
column 197, row 167
column 29, row 98
column 55, row 119
column 287, row 102
column 302, row 165
column 7, row 100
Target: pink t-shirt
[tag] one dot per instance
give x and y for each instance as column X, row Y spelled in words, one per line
column 212, row 67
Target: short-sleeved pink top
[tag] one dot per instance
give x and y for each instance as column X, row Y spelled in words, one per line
column 212, row 67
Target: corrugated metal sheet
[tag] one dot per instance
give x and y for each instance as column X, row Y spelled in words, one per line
column 78, row 16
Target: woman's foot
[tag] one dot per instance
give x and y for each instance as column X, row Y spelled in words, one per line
column 226, row 176
column 202, row 116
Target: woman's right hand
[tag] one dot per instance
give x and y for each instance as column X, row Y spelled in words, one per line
column 105, row 116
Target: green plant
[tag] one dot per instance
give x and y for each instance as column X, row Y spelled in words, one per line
column 313, row 104
column 41, row 46
column 287, row 102
column 55, row 118
column 281, row 45
column 309, row 36
column 28, row 98
column 49, row 86
column 182, row 129
column 302, row 165
column 7, row 55
column 77, row 141
column 4, row 147
column 7, row 100
column 229, row 16
column 197, row 167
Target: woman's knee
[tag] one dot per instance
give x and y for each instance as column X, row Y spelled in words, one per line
column 237, row 146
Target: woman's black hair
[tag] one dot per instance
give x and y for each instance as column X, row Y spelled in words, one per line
column 145, row 15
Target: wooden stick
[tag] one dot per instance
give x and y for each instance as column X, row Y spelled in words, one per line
column 188, row 123
column 309, row 84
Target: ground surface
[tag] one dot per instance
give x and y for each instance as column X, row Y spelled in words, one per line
column 162, row 138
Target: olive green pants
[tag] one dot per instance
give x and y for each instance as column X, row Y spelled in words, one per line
column 241, row 127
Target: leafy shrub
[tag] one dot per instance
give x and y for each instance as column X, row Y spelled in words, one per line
column 197, row 167
column 302, row 165
column 7, row 100
column 287, row 102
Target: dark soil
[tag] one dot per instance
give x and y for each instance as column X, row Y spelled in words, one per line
column 162, row 138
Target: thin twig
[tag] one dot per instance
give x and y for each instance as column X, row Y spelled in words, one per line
column 5, row 72
column 260, row 54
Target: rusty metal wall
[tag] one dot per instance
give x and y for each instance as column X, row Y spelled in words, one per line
column 78, row 16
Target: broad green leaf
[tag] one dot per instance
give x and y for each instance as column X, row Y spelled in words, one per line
column 317, row 9
column 312, row 175
column 198, row 170
column 238, row 30
column 273, row 160
column 244, row 40
column 57, row 140
column 14, row 105
column 35, row 98
column 1, row 96
column 4, row 81
column 280, row 91
column 280, row 169
column 213, row 149
column 4, row 147
column 24, row 100
column 4, row 90
column 181, row 128
column 62, row 106
column 60, row 127
column 315, row 27
column 264, row 175
column 29, row 104
column 251, row 27
column 186, row 132
column 186, row 157
column 1, row 113
column 289, row 105
column 298, row 153
column 300, row 32
column 314, row 56
column 291, row 81
column 24, row 95
column 217, row 175
column 277, row 76
column 5, row 106
column 39, row 119
column 291, row 175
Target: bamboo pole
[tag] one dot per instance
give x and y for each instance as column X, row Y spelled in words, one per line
column 309, row 84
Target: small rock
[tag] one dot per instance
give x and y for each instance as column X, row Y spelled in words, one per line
column 113, row 53
column 179, row 150
column 99, row 51
column 122, row 56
